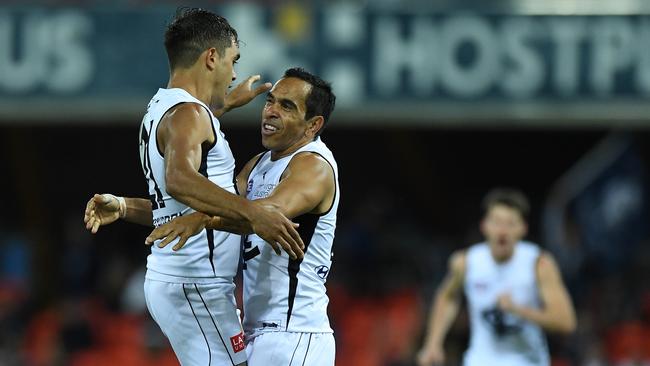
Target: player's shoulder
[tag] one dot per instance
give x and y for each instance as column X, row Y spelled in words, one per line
column 546, row 261
column 310, row 164
column 187, row 110
column 458, row 260
column 535, row 250
column 478, row 250
column 309, row 158
column 186, row 117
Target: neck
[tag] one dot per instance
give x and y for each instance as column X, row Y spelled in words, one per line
column 196, row 85
column 502, row 257
column 279, row 154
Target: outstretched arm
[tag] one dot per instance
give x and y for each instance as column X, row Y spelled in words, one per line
column 138, row 211
column 443, row 312
column 187, row 226
column 184, row 227
column 307, row 186
column 557, row 313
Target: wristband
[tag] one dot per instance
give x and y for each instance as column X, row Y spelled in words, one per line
column 122, row 203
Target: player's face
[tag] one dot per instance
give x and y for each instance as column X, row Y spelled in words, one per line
column 503, row 227
column 284, row 128
column 225, row 73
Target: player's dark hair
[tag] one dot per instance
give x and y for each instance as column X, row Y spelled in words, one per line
column 321, row 99
column 194, row 30
column 509, row 197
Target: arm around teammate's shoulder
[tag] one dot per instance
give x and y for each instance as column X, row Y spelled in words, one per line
column 237, row 226
column 308, row 185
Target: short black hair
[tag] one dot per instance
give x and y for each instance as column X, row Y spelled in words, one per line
column 321, row 99
column 194, row 30
column 510, row 197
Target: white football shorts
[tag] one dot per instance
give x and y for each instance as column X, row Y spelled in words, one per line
column 291, row 349
column 199, row 319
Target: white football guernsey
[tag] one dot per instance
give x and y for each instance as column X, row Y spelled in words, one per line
column 212, row 253
column 499, row 338
column 281, row 294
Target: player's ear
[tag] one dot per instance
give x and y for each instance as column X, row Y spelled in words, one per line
column 314, row 125
column 211, row 58
column 483, row 226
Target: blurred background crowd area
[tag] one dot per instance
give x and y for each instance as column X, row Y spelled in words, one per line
column 436, row 105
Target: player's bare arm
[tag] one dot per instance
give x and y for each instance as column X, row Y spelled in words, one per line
column 444, row 311
column 138, row 211
column 187, row 226
column 236, row 226
column 104, row 209
column 557, row 313
column 307, row 186
column 182, row 135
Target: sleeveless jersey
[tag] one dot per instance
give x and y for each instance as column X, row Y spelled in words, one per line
column 211, row 253
column 499, row 338
column 281, row 294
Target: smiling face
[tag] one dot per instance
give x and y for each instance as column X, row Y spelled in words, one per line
column 503, row 226
column 284, row 128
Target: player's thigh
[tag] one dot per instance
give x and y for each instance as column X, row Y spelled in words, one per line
column 200, row 321
column 287, row 348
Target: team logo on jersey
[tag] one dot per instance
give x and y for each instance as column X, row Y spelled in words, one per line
column 263, row 190
column 237, row 342
column 322, row 271
column 502, row 323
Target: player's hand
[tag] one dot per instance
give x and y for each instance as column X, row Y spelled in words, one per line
column 101, row 209
column 504, row 302
column 278, row 231
column 431, row 356
column 243, row 93
column 183, row 227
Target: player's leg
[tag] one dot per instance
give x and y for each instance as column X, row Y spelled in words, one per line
column 200, row 321
column 320, row 350
column 287, row 348
column 217, row 309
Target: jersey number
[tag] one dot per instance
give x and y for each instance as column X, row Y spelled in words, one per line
column 248, row 252
column 156, row 198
